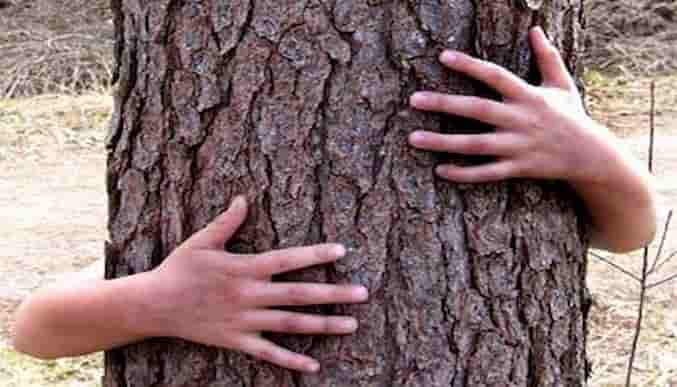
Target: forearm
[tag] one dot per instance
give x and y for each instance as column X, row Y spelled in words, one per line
column 80, row 318
column 621, row 202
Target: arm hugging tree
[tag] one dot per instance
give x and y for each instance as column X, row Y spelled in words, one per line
column 303, row 106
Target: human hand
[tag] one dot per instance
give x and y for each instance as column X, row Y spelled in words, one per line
column 541, row 131
column 213, row 297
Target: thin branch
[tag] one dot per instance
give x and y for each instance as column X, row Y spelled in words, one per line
column 652, row 123
column 666, row 260
column 662, row 282
column 645, row 257
column 617, row 267
column 659, row 253
column 640, row 316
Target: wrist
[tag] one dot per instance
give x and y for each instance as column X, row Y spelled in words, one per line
column 146, row 310
column 600, row 160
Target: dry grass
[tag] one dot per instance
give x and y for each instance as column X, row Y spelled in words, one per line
column 612, row 324
column 54, row 46
column 64, row 48
column 622, row 103
column 38, row 133
column 632, row 36
column 30, row 128
column 17, row 370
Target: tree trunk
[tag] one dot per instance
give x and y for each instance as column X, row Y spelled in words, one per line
column 302, row 105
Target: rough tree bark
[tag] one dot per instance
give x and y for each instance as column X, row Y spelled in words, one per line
column 302, row 106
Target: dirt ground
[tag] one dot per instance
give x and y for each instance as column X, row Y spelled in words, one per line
column 53, row 208
column 52, row 197
column 53, row 220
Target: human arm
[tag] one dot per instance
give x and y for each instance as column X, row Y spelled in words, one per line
column 75, row 318
column 543, row 132
column 199, row 293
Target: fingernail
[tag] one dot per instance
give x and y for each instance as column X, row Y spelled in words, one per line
column 417, row 98
column 540, row 30
column 339, row 251
column 416, row 137
column 362, row 294
column 313, row 367
column 238, row 201
column 448, row 57
column 349, row 325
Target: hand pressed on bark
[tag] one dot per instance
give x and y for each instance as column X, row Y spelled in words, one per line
column 544, row 132
column 199, row 293
column 228, row 296
column 536, row 127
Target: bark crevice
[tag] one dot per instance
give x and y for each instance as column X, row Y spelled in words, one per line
column 303, row 107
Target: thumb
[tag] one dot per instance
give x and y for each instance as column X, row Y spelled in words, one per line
column 221, row 229
column 550, row 63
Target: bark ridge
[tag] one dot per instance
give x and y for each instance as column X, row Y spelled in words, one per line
column 302, row 106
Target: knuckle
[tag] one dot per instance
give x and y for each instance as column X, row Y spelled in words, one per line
column 328, row 325
column 525, row 169
column 266, row 354
column 321, row 253
column 211, row 231
column 220, row 221
column 482, row 107
column 237, row 293
column 438, row 139
column 494, row 73
column 514, row 169
column 540, row 100
column 533, row 123
column 283, row 263
column 216, row 226
column 496, row 175
column 444, row 172
column 298, row 295
column 479, row 144
column 231, row 320
column 563, row 169
column 526, row 145
column 331, row 325
column 446, row 104
column 338, row 293
column 552, row 51
column 297, row 361
column 439, row 102
column 293, row 323
column 226, row 339
column 488, row 174
column 462, row 175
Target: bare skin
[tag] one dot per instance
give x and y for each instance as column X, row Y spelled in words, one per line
column 215, row 298
column 543, row 132
column 223, row 299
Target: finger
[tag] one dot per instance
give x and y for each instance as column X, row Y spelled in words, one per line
column 481, row 109
column 499, row 170
column 266, row 350
column 298, row 323
column 550, row 63
column 282, row 261
column 495, row 76
column 221, row 229
column 496, row 144
column 298, row 293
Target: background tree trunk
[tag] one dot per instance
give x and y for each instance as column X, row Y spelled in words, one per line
column 302, row 106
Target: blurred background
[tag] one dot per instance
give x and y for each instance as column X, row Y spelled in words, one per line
column 55, row 103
